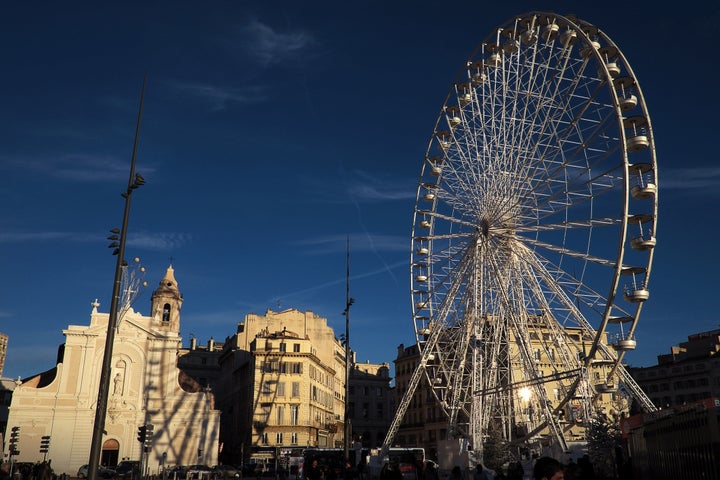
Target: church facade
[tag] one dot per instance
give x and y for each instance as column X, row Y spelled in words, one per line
column 146, row 388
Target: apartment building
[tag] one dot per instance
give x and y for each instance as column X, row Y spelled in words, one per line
column 690, row 372
column 425, row 424
column 281, row 385
column 370, row 402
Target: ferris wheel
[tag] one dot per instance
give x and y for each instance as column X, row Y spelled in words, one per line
column 534, row 231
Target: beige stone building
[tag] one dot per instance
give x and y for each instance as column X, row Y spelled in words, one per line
column 281, row 386
column 370, row 402
column 146, row 388
column 201, row 362
column 689, row 373
column 425, row 425
column 7, row 387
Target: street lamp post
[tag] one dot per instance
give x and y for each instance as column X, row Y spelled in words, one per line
column 134, row 182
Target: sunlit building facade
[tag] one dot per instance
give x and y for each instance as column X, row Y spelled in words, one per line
column 281, row 386
column 146, row 388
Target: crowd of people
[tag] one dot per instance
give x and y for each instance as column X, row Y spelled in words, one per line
column 25, row 471
column 544, row 468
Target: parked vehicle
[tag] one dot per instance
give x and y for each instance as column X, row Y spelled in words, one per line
column 102, row 472
column 248, row 469
column 126, row 467
column 177, row 473
column 225, row 471
column 198, row 472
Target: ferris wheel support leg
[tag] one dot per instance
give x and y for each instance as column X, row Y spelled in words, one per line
column 404, row 403
column 635, row 390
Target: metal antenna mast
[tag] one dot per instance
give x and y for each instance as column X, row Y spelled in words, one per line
column 347, row 427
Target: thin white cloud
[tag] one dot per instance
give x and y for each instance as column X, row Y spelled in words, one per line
column 75, row 167
column 380, row 193
column 371, row 240
column 360, row 186
column 24, row 237
column 700, row 179
column 272, row 47
column 161, row 242
column 158, row 241
column 364, row 242
column 302, row 293
column 363, row 186
column 286, row 299
column 221, row 97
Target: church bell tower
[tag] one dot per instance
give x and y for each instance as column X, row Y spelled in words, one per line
column 166, row 303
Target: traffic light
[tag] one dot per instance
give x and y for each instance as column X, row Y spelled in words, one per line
column 14, row 440
column 45, row 444
column 142, row 433
column 149, row 436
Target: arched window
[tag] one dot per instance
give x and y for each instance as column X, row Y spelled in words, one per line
column 166, row 313
column 109, row 454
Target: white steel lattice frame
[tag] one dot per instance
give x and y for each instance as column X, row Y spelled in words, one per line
column 533, row 231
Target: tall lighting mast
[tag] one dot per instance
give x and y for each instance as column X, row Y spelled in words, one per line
column 134, row 182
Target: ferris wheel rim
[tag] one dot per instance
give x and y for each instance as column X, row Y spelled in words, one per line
column 426, row 217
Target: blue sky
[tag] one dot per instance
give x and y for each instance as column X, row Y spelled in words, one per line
column 273, row 131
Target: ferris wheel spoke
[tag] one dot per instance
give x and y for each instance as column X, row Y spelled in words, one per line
column 546, row 201
column 577, row 317
column 582, row 145
column 577, row 293
column 581, row 224
column 562, row 285
column 562, row 100
column 450, row 286
column 435, row 215
column 562, row 344
column 571, row 253
column 534, row 198
column 530, row 140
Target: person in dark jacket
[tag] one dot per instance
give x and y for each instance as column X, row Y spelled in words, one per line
column 547, row 468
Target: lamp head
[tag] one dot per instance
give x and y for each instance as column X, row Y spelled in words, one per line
column 139, row 181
